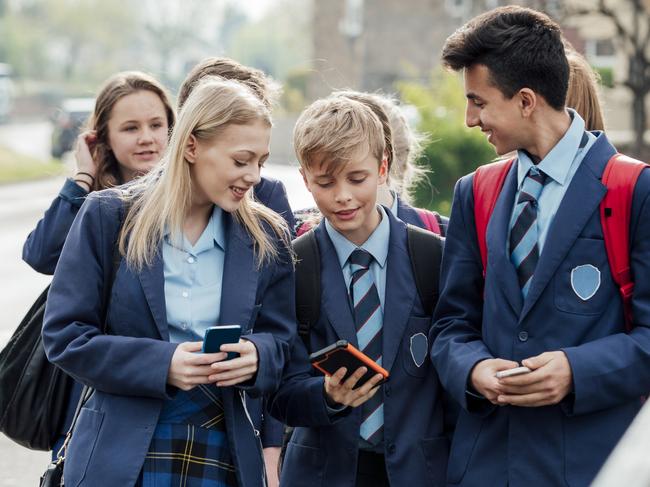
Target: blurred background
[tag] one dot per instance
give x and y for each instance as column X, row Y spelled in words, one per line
column 54, row 54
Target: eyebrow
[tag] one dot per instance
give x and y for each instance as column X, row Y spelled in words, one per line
column 472, row 96
column 251, row 153
column 138, row 121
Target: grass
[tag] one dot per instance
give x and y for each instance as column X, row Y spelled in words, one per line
column 16, row 167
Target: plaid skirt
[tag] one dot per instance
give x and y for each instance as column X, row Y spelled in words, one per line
column 189, row 447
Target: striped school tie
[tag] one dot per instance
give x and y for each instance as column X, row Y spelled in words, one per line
column 368, row 321
column 524, row 249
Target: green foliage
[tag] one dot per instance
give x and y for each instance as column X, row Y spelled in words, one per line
column 452, row 150
column 606, row 76
column 17, row 167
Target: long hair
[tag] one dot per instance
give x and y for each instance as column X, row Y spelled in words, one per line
column 583, row 91
column 114, row 89
column 161, row 199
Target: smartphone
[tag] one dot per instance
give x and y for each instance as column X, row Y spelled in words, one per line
column 215, row 336
column 510, row 372
column 343, row 354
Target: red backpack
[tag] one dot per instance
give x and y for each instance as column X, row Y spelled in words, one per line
column 620, row 176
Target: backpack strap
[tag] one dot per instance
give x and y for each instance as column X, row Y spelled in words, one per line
column 308, row 288
column 487, row 185
column 620, row 176
column 425, row 252
column 430, row 220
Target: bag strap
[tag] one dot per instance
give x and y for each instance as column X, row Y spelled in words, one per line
column 487, row 185
column 620, row 177
column 425, row 252
column 308, row 290
column 430, row 220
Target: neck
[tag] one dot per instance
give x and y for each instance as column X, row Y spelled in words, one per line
column 361, row 234
column 548, row 128
column 196, row 219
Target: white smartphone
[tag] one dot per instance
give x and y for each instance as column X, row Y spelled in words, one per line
column 510, row 372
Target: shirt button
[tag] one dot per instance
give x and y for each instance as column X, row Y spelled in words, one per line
column 523, row 336
column 184, row 326
column 185, row 294
column 191, row 260
column 391, row 448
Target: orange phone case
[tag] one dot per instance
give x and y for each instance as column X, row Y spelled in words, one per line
column 343, row 354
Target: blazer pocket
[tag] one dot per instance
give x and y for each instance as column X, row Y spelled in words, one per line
column 583, row 282
column 303, row 466
column 436, row 455
column 82, row 445
column 415, row 347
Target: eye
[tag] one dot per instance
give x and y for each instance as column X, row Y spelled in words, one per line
column 357, row 180
column 240, row 163
column 156, row 125
column 478, row 103
column 130, row 128
column 324, row 185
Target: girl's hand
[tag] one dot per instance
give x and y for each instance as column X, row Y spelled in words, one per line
column 189, row 368
column 86, row 142
column 240, row 369
column 344, row 393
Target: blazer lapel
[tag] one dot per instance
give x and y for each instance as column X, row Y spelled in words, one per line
column 152, row 280
column 579, row 203
column 240, row 276
column 400, row 292
column 500, row 266
column 335, row 299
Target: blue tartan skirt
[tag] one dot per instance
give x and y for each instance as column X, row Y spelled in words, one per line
column 189, row 447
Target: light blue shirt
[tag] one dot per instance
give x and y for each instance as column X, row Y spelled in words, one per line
column 376, row 245
column 560, row 165
column 193, row 279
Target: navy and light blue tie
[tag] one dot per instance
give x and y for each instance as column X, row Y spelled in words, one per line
column 368, row 320
column 524, row 248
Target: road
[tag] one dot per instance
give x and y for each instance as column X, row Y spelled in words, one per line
column 21, row 206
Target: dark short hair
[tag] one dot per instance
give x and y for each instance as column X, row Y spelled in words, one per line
column 521, row 48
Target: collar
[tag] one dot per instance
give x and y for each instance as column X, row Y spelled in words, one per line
column 393, row 207
column 213, row 234
column 377, row 243
column 556, row 164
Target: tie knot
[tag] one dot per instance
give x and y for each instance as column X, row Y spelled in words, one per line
column 360, row 258
column 532, row 185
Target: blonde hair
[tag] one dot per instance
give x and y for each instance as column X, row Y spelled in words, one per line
column 331, row 131
column 161, row 199
column 403, row 145
column 582, row 94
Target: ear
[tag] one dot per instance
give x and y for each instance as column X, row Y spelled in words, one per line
column 304, row 178
column 527, row 102
column 191, row 149
column 383, row 171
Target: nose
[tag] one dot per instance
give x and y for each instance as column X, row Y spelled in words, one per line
column 472, row 118
column 252, row 176
column 342, row 195
column 146, row 136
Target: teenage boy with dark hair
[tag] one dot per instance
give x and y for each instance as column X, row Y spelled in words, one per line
column 547, row 300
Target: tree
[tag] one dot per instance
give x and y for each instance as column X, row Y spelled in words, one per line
column 631, row 19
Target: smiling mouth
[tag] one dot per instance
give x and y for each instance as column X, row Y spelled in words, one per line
column 146, row 153
column 239, row 191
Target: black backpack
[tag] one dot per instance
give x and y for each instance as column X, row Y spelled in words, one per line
column 425, row 252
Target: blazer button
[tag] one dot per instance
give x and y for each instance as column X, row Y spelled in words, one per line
column 391, row 448
column 523, row 336
column 387, row 391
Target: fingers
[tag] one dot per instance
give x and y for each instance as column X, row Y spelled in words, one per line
column 527, row 400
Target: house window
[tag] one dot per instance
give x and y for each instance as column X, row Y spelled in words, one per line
column 458, row 8
column 351, row 25
column 601, row 52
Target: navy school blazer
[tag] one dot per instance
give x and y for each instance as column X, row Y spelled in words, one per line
column 321, row 453
column 128, row 367
column 43, row 247
column 565, row 444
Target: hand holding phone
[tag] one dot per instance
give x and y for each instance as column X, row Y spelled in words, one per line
column 342, row 354
column 215, row 336
column 512, row 372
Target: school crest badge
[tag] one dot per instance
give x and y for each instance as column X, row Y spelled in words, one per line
column 585, row 281
column 419, row 348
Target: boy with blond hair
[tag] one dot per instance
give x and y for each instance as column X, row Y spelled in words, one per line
column 368, row 298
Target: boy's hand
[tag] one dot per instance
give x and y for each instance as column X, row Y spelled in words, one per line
column 344, row 393
column 548, row 383
column 240, row 369
column 189, row 368
column 483, row 377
